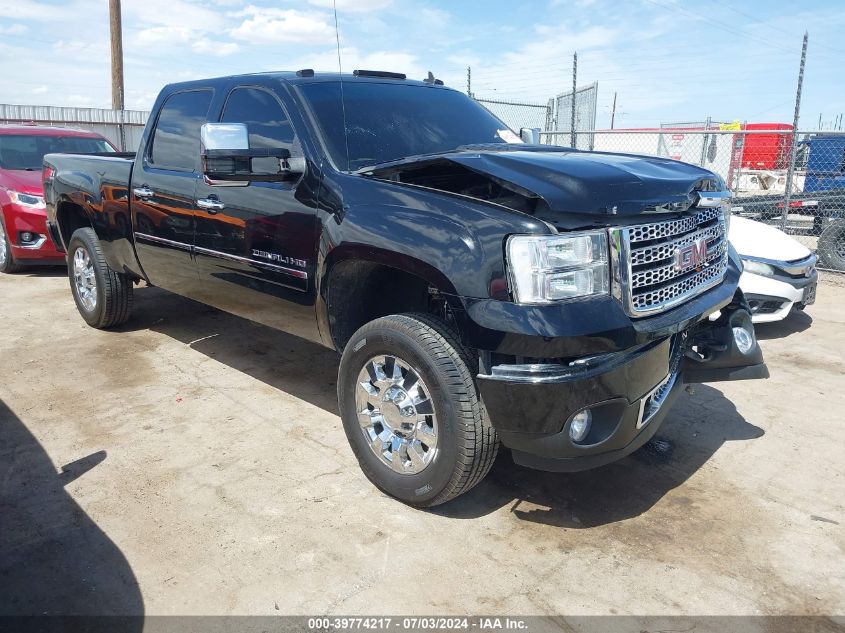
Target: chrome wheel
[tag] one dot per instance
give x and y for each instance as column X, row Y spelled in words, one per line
column 396, row 414
column 84, row 279
column 2, row 243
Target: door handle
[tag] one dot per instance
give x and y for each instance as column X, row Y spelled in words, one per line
column 211, row 205
column 143, row 192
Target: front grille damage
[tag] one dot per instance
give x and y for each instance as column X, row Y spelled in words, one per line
column 649, row 274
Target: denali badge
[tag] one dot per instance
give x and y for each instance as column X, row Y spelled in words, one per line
column 281, row 259
column 691, row 255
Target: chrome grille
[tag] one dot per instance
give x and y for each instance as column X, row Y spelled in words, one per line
column 647, row 277
column 668, row 228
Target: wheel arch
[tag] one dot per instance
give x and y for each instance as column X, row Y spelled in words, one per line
column 70, row 217
column 359, row 285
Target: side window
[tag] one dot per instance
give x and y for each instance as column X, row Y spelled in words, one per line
column 265, row 119
column 176, row 139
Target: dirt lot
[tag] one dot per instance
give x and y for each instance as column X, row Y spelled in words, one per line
column 193, row 462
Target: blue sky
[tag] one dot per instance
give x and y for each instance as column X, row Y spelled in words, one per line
column 668, row 60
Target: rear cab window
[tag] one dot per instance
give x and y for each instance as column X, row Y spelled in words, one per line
column 175, row 142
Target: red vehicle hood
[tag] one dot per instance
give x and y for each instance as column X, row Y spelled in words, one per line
column 23, row 181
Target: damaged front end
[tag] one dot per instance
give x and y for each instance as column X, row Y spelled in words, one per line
column 725, row 347
column 562, row 186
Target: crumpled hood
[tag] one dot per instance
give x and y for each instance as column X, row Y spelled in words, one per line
column 578, row 182
column 23, row 181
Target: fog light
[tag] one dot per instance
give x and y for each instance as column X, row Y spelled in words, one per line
column 744, row 339
column 580, row 426
column 26, row 236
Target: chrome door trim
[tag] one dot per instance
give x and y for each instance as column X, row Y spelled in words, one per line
column 299, row 274
column 161, row 240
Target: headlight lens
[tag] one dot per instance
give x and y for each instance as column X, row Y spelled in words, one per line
column 546, row 268
column 757, row 268
column 27, row 200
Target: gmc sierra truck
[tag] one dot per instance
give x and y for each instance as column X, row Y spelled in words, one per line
column 481, row 290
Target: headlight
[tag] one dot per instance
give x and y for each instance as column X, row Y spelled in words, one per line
column 726, row 210
column 546, row 268
column 757, row 268
column 27, row 200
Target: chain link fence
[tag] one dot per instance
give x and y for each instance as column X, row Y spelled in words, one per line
column 562, row 116
column 518, row 115
column 556, row 116
column 795, row 182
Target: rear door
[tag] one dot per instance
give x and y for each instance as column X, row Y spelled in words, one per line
column 163, row 192
column 256, row 244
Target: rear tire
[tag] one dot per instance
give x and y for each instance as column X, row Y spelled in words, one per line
column 7, row 260
column 103, row 297
column 831, row 247
column 430, row 364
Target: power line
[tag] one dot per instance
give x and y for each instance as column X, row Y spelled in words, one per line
column 717, row 24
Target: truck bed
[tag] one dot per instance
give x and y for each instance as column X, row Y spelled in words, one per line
column 98, row 184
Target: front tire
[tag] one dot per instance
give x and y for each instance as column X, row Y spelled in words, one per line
column 103, row 297
column 411, row 411
column 7, row 260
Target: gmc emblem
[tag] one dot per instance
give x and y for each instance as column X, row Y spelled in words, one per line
column 691, row 255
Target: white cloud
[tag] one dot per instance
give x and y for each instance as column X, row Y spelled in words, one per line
column 79, row 100
column 165, row 35
column 72, row 48
column 13, row 29
column 358, row 6
column 283, row 26
column 32, row 10
column 212, row 47
column 169, row 12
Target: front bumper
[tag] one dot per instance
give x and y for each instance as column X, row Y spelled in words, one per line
column 41, row 249
column 772, row 298
column 628, row 393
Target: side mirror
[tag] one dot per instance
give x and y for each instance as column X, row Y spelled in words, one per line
column 530, row 135
column 226, row 156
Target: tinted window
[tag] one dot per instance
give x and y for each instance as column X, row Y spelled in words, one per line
column 390, row 121
column 265, row 119
column 26, row 151
column 176, row 140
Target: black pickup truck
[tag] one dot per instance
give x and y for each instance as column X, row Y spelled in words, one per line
column 481, row 290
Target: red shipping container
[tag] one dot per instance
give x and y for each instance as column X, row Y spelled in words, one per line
column 767, row 151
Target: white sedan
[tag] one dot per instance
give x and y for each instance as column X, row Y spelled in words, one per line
column 779, row 272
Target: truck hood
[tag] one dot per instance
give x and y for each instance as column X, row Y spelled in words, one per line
column 541, row 179
column 23, row 181
column 755, row 239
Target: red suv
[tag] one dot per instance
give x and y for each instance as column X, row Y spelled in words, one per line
column 23, row 231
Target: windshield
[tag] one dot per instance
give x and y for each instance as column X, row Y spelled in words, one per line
column 387, row 122
column 26, row 151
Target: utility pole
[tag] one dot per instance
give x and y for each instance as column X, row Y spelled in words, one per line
column 116, row 55
column 613, row 112
column 117, row 103
column 573, row 137
column 469, row 81
column 793, row 150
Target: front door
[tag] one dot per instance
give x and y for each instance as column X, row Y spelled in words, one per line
column 255, row 244
column 163, row 192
